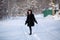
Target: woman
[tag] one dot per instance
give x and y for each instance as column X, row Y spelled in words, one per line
column 30, row 20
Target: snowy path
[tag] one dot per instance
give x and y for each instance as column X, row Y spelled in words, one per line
column 15, row 29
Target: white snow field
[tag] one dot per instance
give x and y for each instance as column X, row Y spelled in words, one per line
column 15, row 29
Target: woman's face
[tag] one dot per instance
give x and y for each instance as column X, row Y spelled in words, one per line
column 29, row 12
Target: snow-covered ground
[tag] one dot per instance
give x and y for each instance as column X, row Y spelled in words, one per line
column 15, row 29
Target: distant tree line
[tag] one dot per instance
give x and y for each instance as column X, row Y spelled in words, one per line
column 3, row 8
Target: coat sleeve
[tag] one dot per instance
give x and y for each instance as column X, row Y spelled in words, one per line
column 34, row 19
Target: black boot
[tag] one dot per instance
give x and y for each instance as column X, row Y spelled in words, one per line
column 30, row 34
column 30, row 31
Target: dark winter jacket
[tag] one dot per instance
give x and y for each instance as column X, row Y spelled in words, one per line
column 30, row 20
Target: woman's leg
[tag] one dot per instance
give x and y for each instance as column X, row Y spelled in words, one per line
column 30, row 28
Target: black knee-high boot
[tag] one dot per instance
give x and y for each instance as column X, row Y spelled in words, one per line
column 30, row 28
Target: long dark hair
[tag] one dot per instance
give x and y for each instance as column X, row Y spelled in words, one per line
column 28, row 11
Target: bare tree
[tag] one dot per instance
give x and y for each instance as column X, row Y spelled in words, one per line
column 3, row 8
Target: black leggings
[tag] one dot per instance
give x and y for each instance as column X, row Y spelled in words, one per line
column 30, row 28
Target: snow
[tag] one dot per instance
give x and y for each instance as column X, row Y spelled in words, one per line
column 15, row 29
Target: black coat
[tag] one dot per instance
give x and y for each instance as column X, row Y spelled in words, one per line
column 30, row 20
